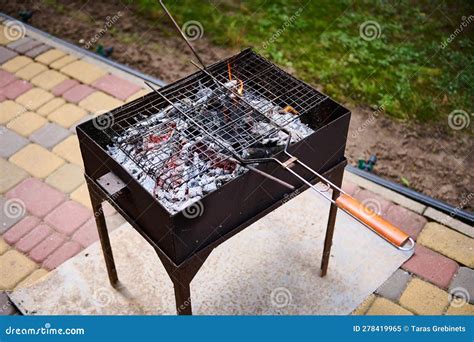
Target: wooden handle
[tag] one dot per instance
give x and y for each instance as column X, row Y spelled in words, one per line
column 384, row 228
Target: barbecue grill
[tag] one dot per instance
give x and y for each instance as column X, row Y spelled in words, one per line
column 193, row 163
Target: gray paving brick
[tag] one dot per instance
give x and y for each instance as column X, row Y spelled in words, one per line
column 394, row 286
column 38, row 50
column 49, row 135
column 10, row 142
column 463, row 284
column 6, row 54
column 6, row 306
column 27, row 46
column 19, row 42
column 12, row 211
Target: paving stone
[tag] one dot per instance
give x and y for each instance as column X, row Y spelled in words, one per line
column 23, row 227
column 24, row 48
column 85, row 72
column 87, row 234
column 447, row 220
column 424, row 299
column 16, row 63
column 15, row 89
column 82, row 120
column 431, row 266
column 8, row 38
column 63, row 253
column 67, row 178
column 33, row 238
column 394, row 286
column 62, row 87
column 48, row 79
column 6, row 54
column 9, row 110
column 116, row 86
column 10, row 175
column 18, row 42
column 34, row 98
column 48, row 107
column 373, row 201
column 464, row 310
column 68, row 217
column 26, row 123
column 350, row 187
column 364, row 306
column 49, row 135
column 67, row 115
column 38, row 50
column 99, row 103
column 78, row 93
column 138, row 95
column 36, row 160
column 464, row 281
column 12, row 210
column 32, row 278
column 30, row 71
column 14, row 267
column 62, row 62
column 3, row 246
column 7, row 308
column 384, row 307
column 49, row 56
column 69, row 149
column 81, row 195
column 46, row 247
column 448, row 242
column 10, row 142
column 6, row 78
column 38, row 197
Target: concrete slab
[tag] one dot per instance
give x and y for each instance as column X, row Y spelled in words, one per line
column 271, row 267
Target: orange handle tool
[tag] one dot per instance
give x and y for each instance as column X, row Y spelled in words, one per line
column 367, row 216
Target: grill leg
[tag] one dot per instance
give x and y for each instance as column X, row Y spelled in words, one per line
column 103, row 236
column 182, row 295
column 337, row 180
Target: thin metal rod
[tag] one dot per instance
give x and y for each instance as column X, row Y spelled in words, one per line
column 182, row 33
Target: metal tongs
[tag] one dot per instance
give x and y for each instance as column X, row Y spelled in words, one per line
column 344, row 201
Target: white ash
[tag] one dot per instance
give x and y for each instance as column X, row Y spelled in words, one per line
column 197, row 176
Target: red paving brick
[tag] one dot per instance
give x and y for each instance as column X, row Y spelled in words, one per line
column 407, row 220
column 15, row 89
column 15, row 233
column 87, row 234
column 431, row 266
column 373, row 201
column 77, row 93
column 64, row 86
column 30, row 240
column 68, row 217
column 6, row 78
column 115, row 86
column 63, row 253
column 46, row 247
column 39, row 198
column 350, row 188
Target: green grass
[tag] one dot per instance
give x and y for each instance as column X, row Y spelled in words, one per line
column 405, row 70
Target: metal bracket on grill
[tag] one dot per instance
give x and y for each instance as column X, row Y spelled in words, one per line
column 111, row 183
column 290, row 162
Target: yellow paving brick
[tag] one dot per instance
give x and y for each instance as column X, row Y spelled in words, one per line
column 48, row 107
column 30, row 71
column 10, row 175
column 3, row 246
column 32, row 278
column 69, row 150
column 83, row 71
column 34, row 98
column 137, row 95
column 465, row 309
column 15, row 64
column 49, row 56
column 14, row 267
column 62, row 62
column 67, row 178
column 36, row 160
column 67, row 115
column 81, row 195
column 9, row 110
column 364, row 306
column 48, row 79
column 99, row 103
column 446, row 241
column 423, row 298
column 27, row 123
column 382, row 307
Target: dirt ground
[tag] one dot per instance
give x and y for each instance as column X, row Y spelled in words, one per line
column 432, row 159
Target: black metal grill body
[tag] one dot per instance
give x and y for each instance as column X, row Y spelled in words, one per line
column 239, row 201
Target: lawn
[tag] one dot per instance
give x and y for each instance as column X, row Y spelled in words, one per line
column 401, row 62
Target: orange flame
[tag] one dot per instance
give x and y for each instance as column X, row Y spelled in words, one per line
column 240, row 91
column 241, row 88
column 229, row 71
column 289, row 109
